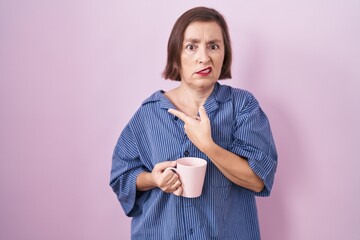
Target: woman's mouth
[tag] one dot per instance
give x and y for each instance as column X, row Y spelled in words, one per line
column 204, row 72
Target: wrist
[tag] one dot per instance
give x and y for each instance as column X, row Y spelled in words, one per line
column 145, row 181
column 151, row 180
column 208, row 147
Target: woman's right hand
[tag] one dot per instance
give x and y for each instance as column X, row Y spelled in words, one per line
column 167, row 180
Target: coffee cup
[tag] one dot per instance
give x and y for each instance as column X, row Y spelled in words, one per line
column 191, row 172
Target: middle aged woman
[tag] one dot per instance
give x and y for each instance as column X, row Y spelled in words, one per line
column 199, row 118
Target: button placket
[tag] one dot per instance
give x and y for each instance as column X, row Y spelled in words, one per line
column 192, row 218
column 186, row 153
column 186, row 146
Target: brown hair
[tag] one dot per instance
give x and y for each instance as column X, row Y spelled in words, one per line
column 176, row 39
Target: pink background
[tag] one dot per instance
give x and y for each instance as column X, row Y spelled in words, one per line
column 73, row 72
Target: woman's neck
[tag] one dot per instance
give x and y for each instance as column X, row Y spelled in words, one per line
column 188, row 100
column 192, row 96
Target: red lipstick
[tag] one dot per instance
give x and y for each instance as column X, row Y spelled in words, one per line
column 204, row 72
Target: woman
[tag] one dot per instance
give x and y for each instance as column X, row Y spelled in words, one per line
column 199, row 118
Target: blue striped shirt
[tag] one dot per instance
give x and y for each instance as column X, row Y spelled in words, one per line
column 224, row 210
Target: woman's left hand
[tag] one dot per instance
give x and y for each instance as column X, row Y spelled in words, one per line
column 198, row 129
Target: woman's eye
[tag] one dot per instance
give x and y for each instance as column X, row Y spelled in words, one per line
column 214, row 47
column 191, row 47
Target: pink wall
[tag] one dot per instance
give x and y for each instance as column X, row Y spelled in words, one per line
column 73, row 72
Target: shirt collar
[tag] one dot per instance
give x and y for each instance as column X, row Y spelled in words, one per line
column 220, row 94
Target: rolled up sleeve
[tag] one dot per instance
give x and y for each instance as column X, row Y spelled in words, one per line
column 126, row 166
column 253, row 140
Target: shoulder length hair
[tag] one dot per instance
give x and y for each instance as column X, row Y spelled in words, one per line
column 174, row 48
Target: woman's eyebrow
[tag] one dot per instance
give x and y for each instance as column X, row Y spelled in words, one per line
column 195, row 40
column 192, row 40
column 214, row 41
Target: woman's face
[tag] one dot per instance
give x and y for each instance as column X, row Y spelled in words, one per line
column 202, row 54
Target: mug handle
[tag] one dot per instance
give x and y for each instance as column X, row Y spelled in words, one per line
column 171, row 168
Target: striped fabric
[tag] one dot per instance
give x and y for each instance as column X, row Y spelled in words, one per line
column 224, row 210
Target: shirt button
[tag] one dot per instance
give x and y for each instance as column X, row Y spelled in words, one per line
column 186, row 153
column 191, row 231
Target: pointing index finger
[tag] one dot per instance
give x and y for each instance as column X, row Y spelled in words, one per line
column 178, row 114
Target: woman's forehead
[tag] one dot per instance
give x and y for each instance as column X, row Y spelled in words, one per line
column 197, row 31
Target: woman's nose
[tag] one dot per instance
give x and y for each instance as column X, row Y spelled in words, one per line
column 203, row 55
